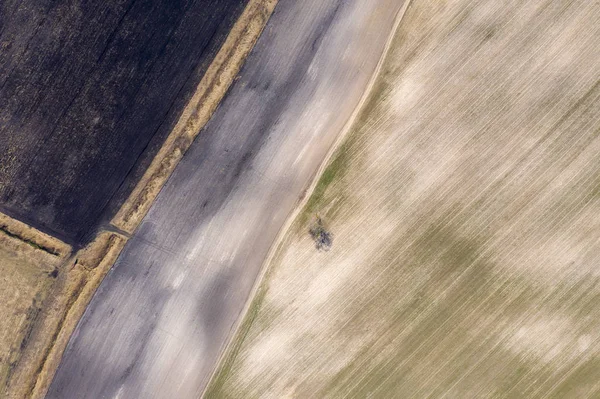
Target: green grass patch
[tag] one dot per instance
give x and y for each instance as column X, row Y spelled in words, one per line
column 216, row 385
column 335, row 171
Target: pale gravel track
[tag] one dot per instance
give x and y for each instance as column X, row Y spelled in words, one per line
column 161, row 317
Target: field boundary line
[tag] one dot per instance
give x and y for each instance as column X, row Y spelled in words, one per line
column 82, row 270
column 85, row 271
column 215, row 83
column 230, row 343
column 20, row 233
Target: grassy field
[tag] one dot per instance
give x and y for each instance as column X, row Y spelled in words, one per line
column 30, row 262
column 25, row 285
column 465, row 213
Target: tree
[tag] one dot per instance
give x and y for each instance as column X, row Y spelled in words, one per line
column 323, row 238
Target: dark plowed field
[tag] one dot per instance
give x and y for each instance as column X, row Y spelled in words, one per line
column 88, row 92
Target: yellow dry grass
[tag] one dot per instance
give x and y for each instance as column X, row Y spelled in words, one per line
column 465, row 210
column 30, row 265
column 88, row 269
column 13, row 234
column 45, row 297
column 25, row 287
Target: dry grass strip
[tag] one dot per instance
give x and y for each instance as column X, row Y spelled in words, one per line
column 64, row 297
column 215, row 83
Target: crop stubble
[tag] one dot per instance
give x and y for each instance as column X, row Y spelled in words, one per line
column 464, row 206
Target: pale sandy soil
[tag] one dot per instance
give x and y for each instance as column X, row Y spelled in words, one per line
column 465, row 210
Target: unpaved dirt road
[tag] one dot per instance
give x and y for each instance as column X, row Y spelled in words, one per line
column 159, row 320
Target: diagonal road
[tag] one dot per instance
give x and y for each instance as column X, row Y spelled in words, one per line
column 160, row 318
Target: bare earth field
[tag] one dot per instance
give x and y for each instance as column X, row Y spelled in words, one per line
column 465, row 212
column 45, row 286
column 158, row 322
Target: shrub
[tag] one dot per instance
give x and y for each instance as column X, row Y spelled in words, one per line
column 323, row 238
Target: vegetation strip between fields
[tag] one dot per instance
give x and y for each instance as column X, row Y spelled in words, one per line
column 81, row 273
column 211, row 90
column 254, row 299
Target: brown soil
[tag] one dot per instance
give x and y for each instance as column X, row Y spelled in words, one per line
column 49, row 288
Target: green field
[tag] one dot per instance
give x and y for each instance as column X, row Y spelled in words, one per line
column 465, row 211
